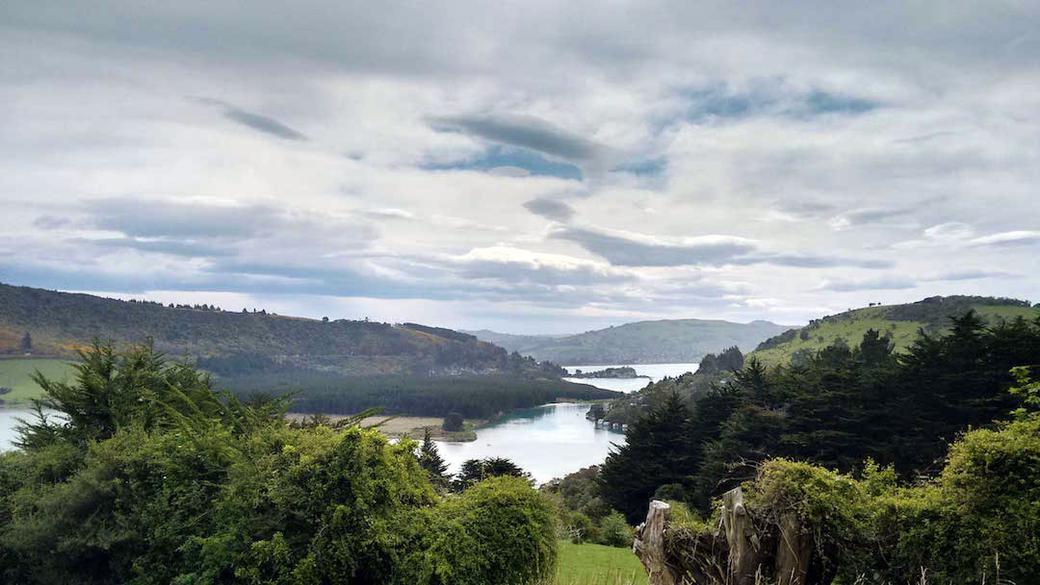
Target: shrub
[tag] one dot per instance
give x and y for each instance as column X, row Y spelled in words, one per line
column 453, row 422
column 615, row 531
column 499, row 531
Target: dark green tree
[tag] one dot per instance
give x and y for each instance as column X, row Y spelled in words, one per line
column 477, row 470
column 26, row 345
column 656, row 452
column 453, row 422
column 430, row 460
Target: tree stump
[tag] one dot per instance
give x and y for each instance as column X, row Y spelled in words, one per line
column 649, row 544
column 738, row 551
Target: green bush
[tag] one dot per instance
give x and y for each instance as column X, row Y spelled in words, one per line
column 189, row 487
column 499, row 531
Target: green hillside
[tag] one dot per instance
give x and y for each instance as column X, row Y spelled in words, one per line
column 900, row 322
column 61, row 323
column 643, row 342
column 16, row 378
column 332, row 366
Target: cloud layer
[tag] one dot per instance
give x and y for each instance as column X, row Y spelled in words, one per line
column 553, row 169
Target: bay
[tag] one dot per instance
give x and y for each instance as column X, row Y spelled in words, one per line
column 548, row 441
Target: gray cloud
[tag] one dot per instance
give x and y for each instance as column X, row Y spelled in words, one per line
column 715, row 250
column 151, row 218
column 255, row 121
column 527, row 132
column 550, row 209
column 175, row 247
column 623, row 250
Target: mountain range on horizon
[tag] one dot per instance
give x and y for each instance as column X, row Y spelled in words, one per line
column 641, row 342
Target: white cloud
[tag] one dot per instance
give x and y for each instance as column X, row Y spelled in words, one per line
column 731, row 158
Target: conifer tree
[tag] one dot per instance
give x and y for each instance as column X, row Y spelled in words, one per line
column 656, row 452
column 430, row 459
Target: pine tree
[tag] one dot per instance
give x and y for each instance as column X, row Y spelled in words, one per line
column 27, row 343
column 656, row 452
column 430, row 459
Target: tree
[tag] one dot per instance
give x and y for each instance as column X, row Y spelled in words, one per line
column 596, row 412
column 477, row 470
column 26, row 343
column 430, row 460
column 656, row 452
column 453, row 422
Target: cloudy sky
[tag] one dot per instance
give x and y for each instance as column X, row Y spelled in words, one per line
column 523, row 166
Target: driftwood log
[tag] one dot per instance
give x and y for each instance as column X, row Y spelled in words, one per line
column 741, row 550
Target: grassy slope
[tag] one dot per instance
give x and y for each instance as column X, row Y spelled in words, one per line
column 665, row 341
column 852, row 325
column 595, row 564
column 17, row 375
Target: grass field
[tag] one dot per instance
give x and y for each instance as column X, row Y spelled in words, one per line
column 16, row 374
column 852, row 326
column 595, row 564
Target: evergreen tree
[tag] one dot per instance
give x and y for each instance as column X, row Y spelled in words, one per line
column 430, row 460
column 477, row 470
column 656, row 452
column 26, row 343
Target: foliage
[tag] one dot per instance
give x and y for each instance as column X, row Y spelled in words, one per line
column 900, row 323
column 977, row 522
column 472, row 396
column 148, row 476
column 498, row 531
column 585, row 516
column 656, row 452
column 430, row 460
column 473, row 471
column 844, row 405
column 453, row 422
column 234, row 343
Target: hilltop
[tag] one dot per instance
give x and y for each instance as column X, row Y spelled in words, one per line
column 899, row 322
column 333, row 366
column 61, row 323
column 643, row 342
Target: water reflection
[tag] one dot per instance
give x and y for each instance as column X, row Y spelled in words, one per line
column 548, row 441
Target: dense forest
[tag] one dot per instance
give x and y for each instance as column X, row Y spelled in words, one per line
column 335, row 367
column 872, row 413
column 141, row 473
column 62, row 323
column 471, row 396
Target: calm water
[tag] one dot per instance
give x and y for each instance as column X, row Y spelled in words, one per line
column 655, row 371
column 548, row 441
column 8, row 421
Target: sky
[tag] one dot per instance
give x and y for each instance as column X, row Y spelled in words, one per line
column 528, row 167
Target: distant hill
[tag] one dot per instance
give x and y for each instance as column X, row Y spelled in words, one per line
column 900, row 322
column 644, row 342
column 60, row 323
column 333, row 366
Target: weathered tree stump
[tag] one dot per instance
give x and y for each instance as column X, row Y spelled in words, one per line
column 649, row 544
column 739, row 551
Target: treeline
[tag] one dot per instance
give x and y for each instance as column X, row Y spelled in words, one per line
column 860, row 410
column 146, row 475
column 837, row 409
column 471, row 396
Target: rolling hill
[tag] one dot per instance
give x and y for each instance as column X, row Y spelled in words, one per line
column 350, row 364
column 900, row 322
column 643, row 342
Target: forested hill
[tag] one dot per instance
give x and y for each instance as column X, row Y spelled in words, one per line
column 900, row 323
column 233, row 343
column 643, row 342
